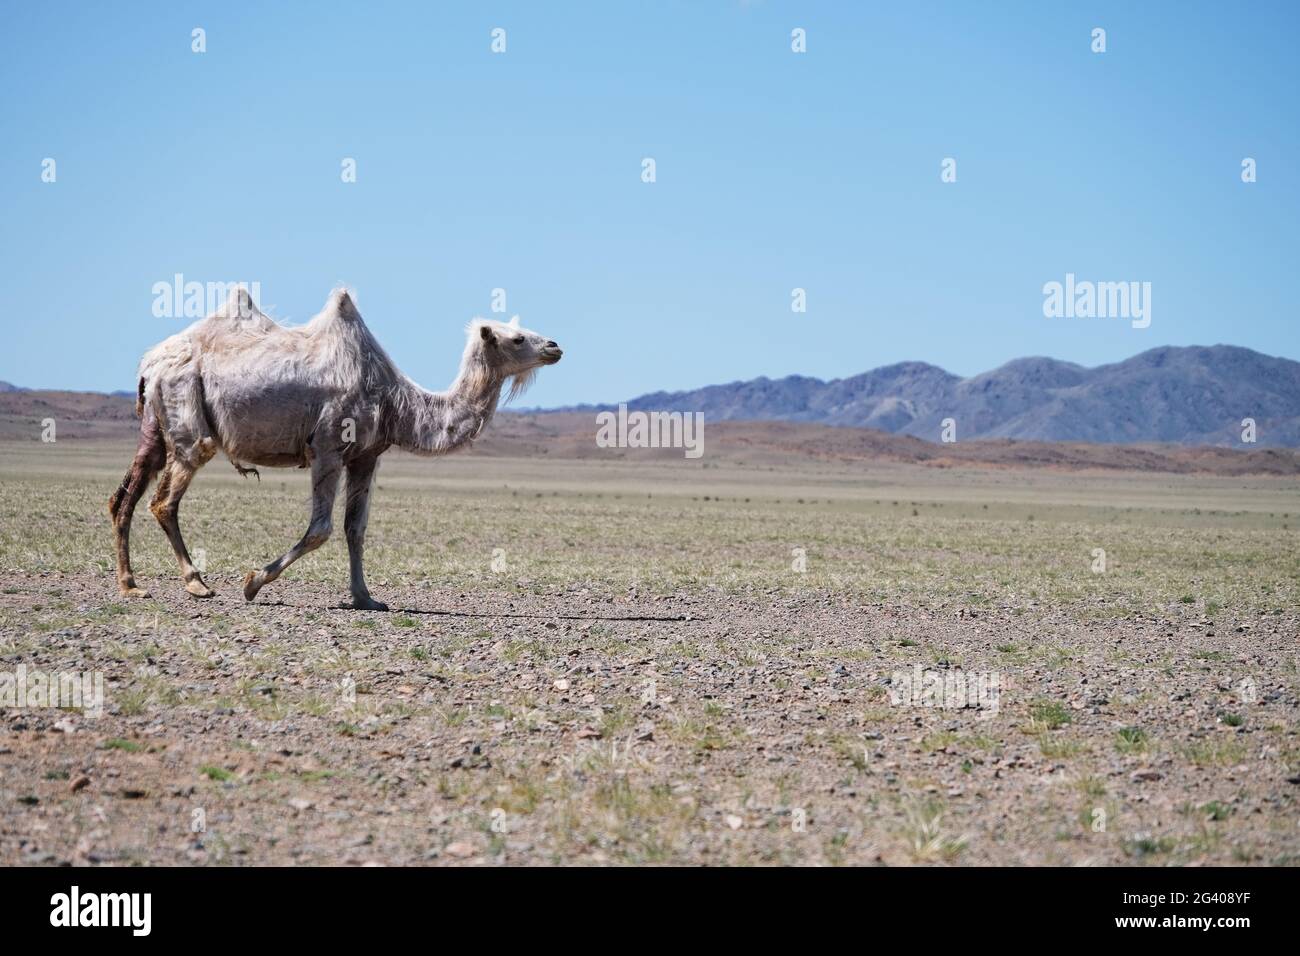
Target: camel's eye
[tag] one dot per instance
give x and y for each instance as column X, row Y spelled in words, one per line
column 519, row 340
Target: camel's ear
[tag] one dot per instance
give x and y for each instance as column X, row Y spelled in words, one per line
column 486, row 334
column 514, row 321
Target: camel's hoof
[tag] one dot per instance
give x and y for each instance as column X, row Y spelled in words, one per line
column 251, row 587
column 134, row 592
column 368, row 604
column 198, row 589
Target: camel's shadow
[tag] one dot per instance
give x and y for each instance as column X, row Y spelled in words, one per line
column 433, row 612
column 547, row 617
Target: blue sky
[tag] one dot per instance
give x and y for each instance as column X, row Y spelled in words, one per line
column 775, row 170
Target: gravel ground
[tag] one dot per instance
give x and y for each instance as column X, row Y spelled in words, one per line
column 581, row 725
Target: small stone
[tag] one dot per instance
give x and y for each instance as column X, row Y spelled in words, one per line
column 80, row 783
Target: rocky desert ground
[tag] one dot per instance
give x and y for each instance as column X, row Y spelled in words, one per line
column 656, row 660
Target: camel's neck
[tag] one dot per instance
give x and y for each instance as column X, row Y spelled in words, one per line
column 435, row 423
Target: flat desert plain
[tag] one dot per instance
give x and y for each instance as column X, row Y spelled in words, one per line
column 659, row 660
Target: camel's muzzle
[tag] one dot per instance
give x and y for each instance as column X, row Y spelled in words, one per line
column 551, row 354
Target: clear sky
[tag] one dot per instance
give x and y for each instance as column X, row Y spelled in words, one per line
column 774, row 170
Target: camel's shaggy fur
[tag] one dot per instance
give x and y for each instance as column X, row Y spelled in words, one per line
column 324, row 395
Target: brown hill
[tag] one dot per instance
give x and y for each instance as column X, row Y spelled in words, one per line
column 77, row 415
column 572, row 435
column 567, row 435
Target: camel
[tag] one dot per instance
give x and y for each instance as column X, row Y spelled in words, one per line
column 323, row 396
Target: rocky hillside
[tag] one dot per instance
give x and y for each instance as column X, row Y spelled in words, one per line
column 1187, row 396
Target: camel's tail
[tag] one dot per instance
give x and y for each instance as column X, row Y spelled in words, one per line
column 139, row 399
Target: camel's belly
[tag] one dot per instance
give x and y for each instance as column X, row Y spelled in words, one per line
column 267, row 428
column 271, row 461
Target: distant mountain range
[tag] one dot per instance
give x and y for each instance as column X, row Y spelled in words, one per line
column 1189, row 396
column 1184, row 396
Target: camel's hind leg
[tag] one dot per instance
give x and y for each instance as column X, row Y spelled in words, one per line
column 150, row 456
column 325, row 472
column 166, row 503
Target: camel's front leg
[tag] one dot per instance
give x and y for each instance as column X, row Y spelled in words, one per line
column 361, row 476
column 324, row 483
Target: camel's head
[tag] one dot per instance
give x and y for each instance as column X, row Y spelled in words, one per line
column 512, row 351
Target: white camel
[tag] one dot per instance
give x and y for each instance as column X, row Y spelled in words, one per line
column 323, row 396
